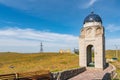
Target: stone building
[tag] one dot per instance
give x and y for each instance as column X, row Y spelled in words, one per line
column 64, row 51
column 92, row 42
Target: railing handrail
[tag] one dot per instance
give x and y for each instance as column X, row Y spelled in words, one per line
column 7, row 74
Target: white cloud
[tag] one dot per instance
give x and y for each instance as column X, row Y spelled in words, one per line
column 112, row 43
column 31, row 5
column 89, row 3
column 113, row 28
column 28, row 40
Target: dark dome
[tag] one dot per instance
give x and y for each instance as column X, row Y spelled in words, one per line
column 92, row 18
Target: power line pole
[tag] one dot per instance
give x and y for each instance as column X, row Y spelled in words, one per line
column 116, row 51
column 41, row 47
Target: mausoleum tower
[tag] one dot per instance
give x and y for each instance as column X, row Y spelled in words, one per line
column 92, row 42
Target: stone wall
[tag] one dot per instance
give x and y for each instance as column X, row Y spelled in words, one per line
column 64, row 75
column 111, row 74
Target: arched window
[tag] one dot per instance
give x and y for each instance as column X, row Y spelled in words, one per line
column 98, row 31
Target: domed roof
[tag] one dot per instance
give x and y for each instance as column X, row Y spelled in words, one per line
column 92, row 18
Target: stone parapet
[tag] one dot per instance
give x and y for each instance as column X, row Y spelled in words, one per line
column 113, row 71
column 64, row 75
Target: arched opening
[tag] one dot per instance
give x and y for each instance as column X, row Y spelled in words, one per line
column 90, row 56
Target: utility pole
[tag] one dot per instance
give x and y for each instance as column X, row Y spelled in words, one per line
column 41, row 47
column 116, row 54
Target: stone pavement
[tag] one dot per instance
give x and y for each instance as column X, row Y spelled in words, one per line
column 92, row 74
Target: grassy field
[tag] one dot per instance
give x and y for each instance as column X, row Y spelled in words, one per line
column 111, row 54
column 45, row 61
column 36, row 62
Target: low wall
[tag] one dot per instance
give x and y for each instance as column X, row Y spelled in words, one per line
column 113, row 71
column 111, row 74
column 64, row 75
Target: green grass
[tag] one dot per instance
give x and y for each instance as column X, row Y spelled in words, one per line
column 36, row 62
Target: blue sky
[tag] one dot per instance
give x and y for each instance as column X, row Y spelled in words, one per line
column 57, row 23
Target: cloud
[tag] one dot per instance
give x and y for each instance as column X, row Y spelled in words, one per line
column 19, row 4
column 89, row 3
column 33, row 5
column 112, row 28
column 28, row 40
column 112, row 43
column 47, row 9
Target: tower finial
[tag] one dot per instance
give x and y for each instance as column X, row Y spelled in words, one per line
column 92, row 9
column 92, row 12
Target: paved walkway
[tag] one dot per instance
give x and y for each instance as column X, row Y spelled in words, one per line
column 92, row 74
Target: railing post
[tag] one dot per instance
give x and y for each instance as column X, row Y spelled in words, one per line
column 16, row 76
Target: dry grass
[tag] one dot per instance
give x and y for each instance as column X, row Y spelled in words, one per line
column 44, row 61
column 36, row 62
column 111, row 54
